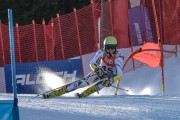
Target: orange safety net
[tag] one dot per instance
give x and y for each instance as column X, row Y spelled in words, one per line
column 171, row 19
column 77, row 33
column 150, row 54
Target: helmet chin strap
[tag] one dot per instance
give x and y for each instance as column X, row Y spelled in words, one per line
column 111, row 54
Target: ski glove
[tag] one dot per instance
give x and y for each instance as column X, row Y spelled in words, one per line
column 109, row 81
column 106, row 83
column 117, row 77
column 99, row 72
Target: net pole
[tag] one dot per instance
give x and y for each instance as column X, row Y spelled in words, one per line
column 177, row 7
column 79, row 40
column 101, row 23
column 45, row 39
column 118, row 82
column 2, row 43
column 35, row 40
column 162, row 54
column 18, row 42
column 161, row 45
column 111, row 19
column 13, row 66
column 94, row 24
column 144, row 18
column 60, row 36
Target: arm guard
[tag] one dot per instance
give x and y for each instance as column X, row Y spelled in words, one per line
column 92, row 66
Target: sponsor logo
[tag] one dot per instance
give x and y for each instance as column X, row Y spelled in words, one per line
column 27, row 79
column 138, row 32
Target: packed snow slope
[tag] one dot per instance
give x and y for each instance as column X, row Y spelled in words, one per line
column 144, row 101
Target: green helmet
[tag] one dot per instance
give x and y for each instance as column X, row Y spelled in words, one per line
column 110, row 40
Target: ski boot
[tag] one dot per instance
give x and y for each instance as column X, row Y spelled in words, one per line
column 54, row 93
column 45, row 95
column 87, row 92
column 78, row 95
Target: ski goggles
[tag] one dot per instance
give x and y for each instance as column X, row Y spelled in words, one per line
column 110, row 47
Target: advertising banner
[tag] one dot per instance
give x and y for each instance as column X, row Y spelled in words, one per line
column 140, row 30
column 36, row 77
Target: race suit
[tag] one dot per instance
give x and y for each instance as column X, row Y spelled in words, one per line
column 111, row 64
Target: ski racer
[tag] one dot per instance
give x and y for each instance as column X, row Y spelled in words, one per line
column 106, row 69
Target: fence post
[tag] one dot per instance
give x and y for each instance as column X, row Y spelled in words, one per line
column 45, row 39
column 156, row 20
column 162, row 54
column 18, row 42
column 79, row 41
column 130, row 36
column 52, row 35
column 130, row 42
column 35, row 41
column 94, row 23
column 177, row 6
column 144, row 18
column 60, row 36
column 2, row 43
column 161, row 45
column 110, row 13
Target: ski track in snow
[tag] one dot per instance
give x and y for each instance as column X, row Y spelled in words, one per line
column 122, row 107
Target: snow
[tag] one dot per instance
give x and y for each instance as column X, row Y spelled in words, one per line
column 144, row 101
column 122, row 107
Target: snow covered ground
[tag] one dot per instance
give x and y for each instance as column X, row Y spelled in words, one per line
column 122, row 107
column 144, row 101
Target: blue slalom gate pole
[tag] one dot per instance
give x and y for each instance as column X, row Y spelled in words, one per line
column 13, row 65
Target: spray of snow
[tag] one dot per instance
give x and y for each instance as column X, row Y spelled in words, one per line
column 145, row 91
column 52, row 80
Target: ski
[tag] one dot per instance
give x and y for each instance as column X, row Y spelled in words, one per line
column 63, row 89
column 59, row 91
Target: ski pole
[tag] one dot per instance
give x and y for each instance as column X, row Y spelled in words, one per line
column 121, row 89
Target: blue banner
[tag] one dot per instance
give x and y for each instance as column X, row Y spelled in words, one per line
column 138, row 27
column 6, row 109
column 30, row 76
